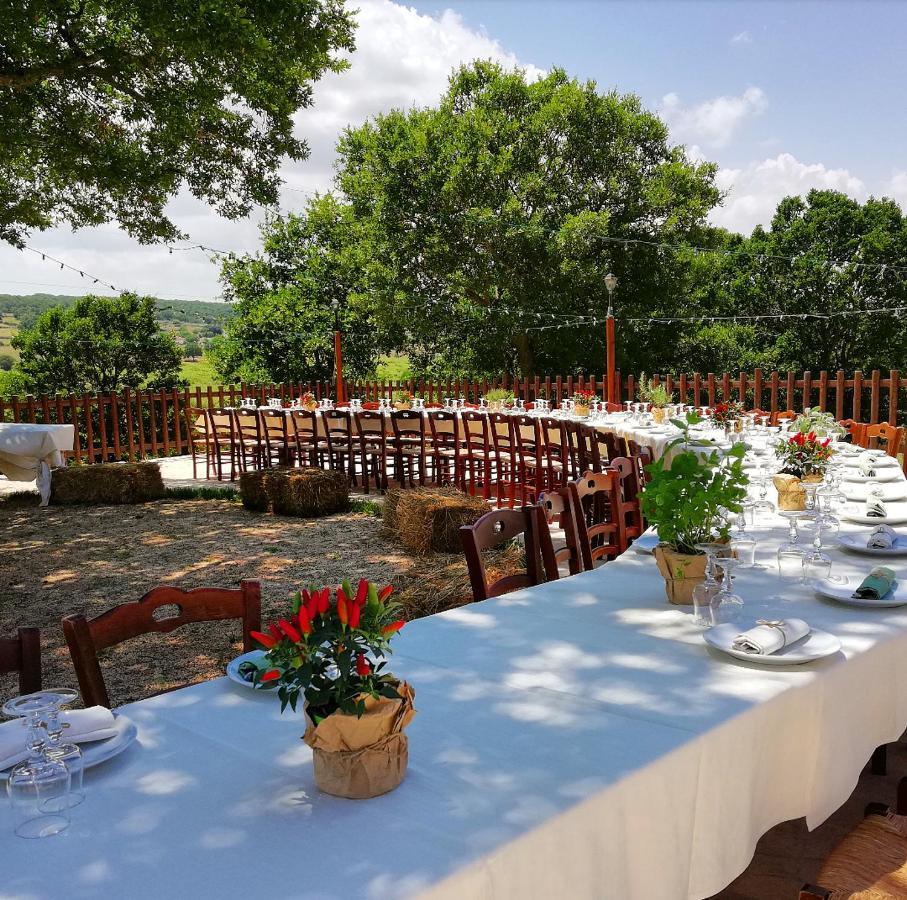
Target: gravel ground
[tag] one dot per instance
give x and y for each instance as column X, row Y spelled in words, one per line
column 65, row 560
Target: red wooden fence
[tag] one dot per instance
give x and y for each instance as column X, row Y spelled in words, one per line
column 138, row 424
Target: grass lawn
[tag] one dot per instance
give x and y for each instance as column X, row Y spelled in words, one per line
column 393, row 368
column 199, row 372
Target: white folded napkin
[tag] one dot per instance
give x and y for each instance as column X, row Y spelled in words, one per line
column 867, row 464
column 882, row 537
column 93, row 724
column 875, row 505
column 770, row 636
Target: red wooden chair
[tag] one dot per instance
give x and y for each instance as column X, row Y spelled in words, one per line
column 371, row 431
column 477, row 452
column 275, row 434
column 310, row 447
column 86, row 637
column 250, row 444
column 211, row 438
column 447, row 465
column 338, row 429
column 855, row 430
column 556, row 452
column 22, row 654
column 629, row 508
column 409, row 446
column 884, row 434
column 492, row 530
column 557, row 535
column 530, row 458
column 504, row 458
column 595, row 504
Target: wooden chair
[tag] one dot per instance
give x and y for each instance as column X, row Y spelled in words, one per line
column 447, row 465
column 250, row 444
column 311, row 447
column 409, row 446
column 876, row 435
column 855, row 430
column 275, row 434
column 629, row 508
column 86, row 637
column 578, row 452
column 371, row 432
column 557, row 535
column 870, row 861
column 491, row 530
column 556, row 453
column 599, row 525
column 338, row 429
column 477, row 452
column 504, row 460
column 210, row 438
column 530, row 458
column 22, row 654
column 785, row 416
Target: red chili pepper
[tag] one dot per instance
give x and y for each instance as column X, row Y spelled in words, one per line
column 264, row 639
column 385, row 592
column 342, row 612
column 270, row 675
column 311, row 607
column 355, row 613
column 363, row 669
column 324, row 601
column 305, row 621
column 278, row 636
column 290, row 631
column 306, row 596
column 362, row 592
column 394, row 626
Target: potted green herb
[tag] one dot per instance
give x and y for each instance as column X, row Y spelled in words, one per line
column 657, row 396
column 822, row 424
column 499, row 399
column 687, row 503
column 402, row 400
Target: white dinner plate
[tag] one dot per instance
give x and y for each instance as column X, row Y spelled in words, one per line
column 891, row 492
column 816, row 645
column 233, row 667
column 862, row 519
column 881, row 461
column 841, row 591
column 96, row 752
column 886, row 474
column 857, row 544
column 646, row 543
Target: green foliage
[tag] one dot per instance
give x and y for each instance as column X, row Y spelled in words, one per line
column 477, row 214
column 98, row 344
column 656, row 394
column 822, row 424
column 108, row 108
column 192, row 349
column 367, row 507
column 499, row 395
column 686, row 502
column 283, row 329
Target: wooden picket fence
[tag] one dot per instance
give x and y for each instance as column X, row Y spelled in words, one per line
column 138, row 424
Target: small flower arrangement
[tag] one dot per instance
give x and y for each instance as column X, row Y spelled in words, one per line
column 804, row 454
column 584, row 398
column 308, row 401
column 402, row 399
column 726, row 413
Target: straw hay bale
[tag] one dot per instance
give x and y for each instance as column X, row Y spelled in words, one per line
column 306, row 492
column 106, row 483
column 429, row 520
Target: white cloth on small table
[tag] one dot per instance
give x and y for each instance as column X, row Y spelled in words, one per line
column 27, row 451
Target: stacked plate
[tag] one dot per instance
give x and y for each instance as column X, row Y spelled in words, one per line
column 841, row 591
column 816, row 645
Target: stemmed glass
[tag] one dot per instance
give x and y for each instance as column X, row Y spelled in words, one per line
column 728, row 604
column 704, row 592
column 744, row 544
column 39, row 787
column 816, row 564
column 629, row 405
column 56, row 748
column 790, row 555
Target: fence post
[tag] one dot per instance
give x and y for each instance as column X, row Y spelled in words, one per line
column 130, row 433
column 857, row 396
column 874, row 397
column 893, row 384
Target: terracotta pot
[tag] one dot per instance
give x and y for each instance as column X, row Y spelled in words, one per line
column 581, row 409
column 791, row 495
column 681, row 572
column 659, row 414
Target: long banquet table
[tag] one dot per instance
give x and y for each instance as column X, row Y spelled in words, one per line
column 577, row 740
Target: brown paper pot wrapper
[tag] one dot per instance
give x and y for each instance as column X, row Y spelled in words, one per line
column 364, row 757
column 659, row 414
column 791, row 495
column 681, row 572
column 581, row 409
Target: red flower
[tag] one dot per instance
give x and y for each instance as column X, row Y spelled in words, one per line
column 363, row 669
column 355, row 612
column 270, row 675
column 264, row 639
column 393, row 627
column 290, row 631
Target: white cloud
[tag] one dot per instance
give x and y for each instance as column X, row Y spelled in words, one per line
column 754, row 191
column 897, row 188
column 713, row 122
column 402, row 59
column 742, row 37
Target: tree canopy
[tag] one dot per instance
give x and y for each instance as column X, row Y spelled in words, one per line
column 108, row 107
column 99, row 344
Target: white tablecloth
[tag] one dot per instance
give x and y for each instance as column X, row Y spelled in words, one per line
column 573, row 740
column 27, row 452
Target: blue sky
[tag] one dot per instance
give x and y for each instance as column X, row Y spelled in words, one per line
column 784, row 96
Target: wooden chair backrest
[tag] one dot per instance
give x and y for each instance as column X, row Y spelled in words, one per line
column 501, row 428
column 555, row 437
column 445, row 429
column 22, row 654
column 490, row 531
column 408, row 425
column 629, row 491
column 475, row 431
column 785, row 416
column 86, row 637
column 273, row 424
column 891, row 436
column 304, row 425
column 854, row 429
column 248, row 425
column 556, row 507
column 527, row 435
column 221, row 423
column 198, row 421
column 595, row 503
column 371, row 427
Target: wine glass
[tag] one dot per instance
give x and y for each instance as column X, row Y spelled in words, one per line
column 743, row 544
column 790, row 555
column 704, row 592
column 39, row 787
column 816, row 564
column 728, row 605
column 56, row 748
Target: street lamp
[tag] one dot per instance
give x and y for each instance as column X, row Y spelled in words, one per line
column 338, row 355
column 610, row 284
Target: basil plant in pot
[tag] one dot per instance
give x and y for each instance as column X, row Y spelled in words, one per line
column 688, row 500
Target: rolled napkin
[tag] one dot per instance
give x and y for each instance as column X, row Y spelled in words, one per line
column 875, row 505
column 96, row 723
column 882, row 537
column 867, row 464
column 876, row 584
column 771, row 635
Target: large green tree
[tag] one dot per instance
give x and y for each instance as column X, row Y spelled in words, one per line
column 108, row 107
column 97, row 344
column 289, row 298
column 481, row 216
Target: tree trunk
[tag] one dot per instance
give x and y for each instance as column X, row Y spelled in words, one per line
column 525, row 353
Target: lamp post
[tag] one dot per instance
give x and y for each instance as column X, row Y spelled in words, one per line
column 338, row 354
column 610, row 284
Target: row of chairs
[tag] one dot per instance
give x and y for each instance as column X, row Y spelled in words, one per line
column 508, row 458
column 162, row 610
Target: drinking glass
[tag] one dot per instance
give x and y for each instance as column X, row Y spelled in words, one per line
column 790, row 555
column 728, row 605
column 629, row 405
column 743, row 544
column 39, row 787
column 816, row 564
column 704, row 592
column 56, row 748
column 762, row 504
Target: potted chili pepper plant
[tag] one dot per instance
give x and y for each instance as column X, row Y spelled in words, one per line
column 804, row 457
column 330, row 650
